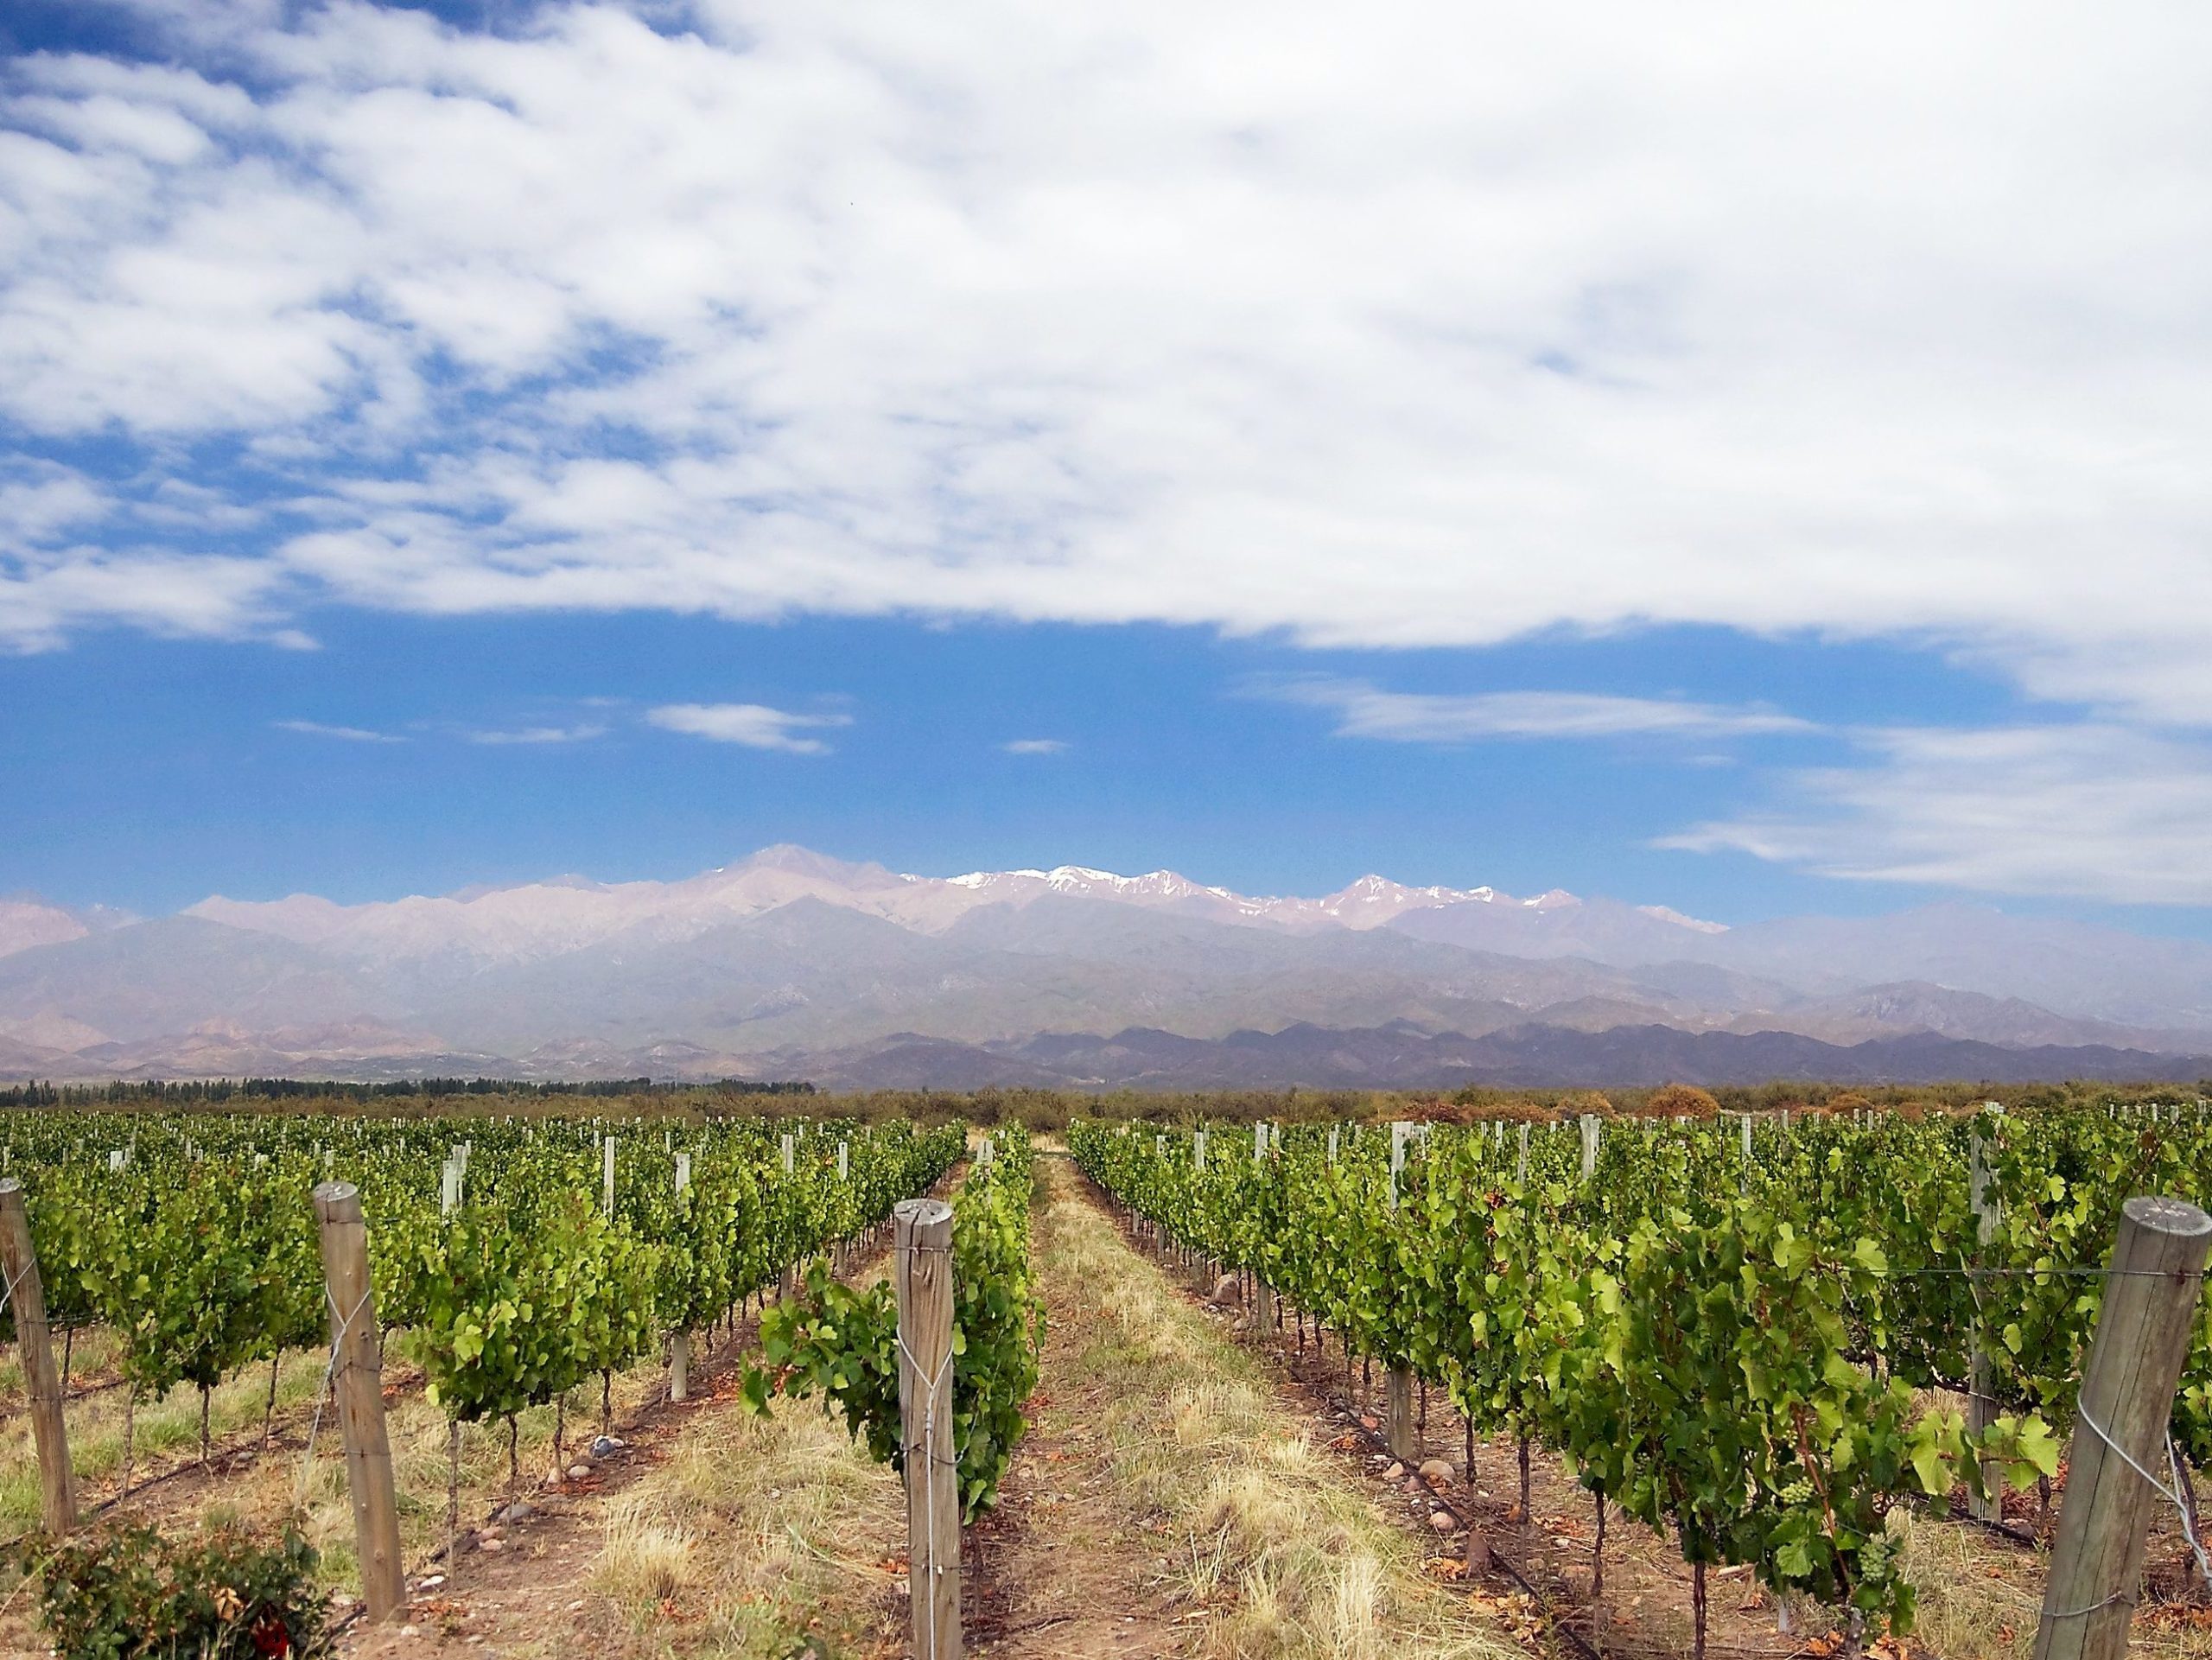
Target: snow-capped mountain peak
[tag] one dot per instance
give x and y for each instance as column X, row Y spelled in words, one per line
column 565, row 914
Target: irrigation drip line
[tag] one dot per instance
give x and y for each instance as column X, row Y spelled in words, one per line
column 2004, row 1530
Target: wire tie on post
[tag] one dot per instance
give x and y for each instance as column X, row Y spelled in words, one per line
column 2171, row 1495
column 329, row 1376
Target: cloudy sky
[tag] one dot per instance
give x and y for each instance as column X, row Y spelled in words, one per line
column 1744, row 458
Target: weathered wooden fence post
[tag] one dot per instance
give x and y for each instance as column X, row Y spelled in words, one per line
column 1981, row 1379
column 679, row 1341
column 356, row 1376
column 784, row 1276
column 923, row 1267
column 2127, row 1393
column 1398, row 1395
column 27, row 1296
column 1398, row 1425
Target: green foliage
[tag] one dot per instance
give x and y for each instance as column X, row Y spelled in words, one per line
column 1717, row 1342
column 843, row 1343
column 125, row 1593
column 517, row 1310
column 194, row 1235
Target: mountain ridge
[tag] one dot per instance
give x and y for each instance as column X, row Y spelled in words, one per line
column 790, row 958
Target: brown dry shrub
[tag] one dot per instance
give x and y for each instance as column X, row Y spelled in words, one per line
column 1578, row 1102
column 1681, row 1101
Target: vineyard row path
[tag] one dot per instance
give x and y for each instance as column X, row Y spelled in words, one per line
column 1171, row 1498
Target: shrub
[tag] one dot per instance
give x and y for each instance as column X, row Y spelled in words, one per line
column 125, row 1593
column 1681, row 1101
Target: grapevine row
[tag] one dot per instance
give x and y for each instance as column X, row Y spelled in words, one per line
column 514, row 1269
column 1721, row 1328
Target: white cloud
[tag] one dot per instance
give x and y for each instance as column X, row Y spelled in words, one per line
column 1035, row 746
column 754, row 725
column 2086, row 812
column 349, row 733
column 1380, row 326
column 539, row 735
column 45, row 595
column 1367, row 712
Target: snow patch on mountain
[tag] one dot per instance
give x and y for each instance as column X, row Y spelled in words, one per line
column 566, row 913
column 1695, row 925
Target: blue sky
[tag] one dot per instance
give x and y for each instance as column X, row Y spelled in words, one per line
column 452, row 447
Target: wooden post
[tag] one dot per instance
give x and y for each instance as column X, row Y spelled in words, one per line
column 357, row 1378
column 924, row 1279
column 679, row 1341
column 1981, row 1381
column 2127, row 1393
column 50, row 1428
column 1405, row 1445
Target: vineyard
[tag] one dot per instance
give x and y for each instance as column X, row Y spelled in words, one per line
column 1762, row 1339
column 515, row 1263
column 1724, row 1330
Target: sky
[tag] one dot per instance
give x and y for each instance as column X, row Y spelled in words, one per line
column 1747, row 460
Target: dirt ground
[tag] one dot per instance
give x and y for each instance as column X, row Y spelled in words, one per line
column 1068, row 1565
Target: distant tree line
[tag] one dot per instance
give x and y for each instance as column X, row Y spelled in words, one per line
column 1044, row 1109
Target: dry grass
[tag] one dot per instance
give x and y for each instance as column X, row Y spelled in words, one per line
column 1981, row 1598
column 1286, row 1562
column 266, row 1486
column 167, row 1432
column 751, row 1535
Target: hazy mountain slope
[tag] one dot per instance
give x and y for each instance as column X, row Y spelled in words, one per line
column 805, row 972
column 170, row 975
column 2072, row 968
column 2075, row 970
column 813, row 974
column 1918, row 1006
column 1603, row 930
column 1306, row 1056
column 25, row 922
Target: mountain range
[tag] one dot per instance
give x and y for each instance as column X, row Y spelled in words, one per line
column 790, row 964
